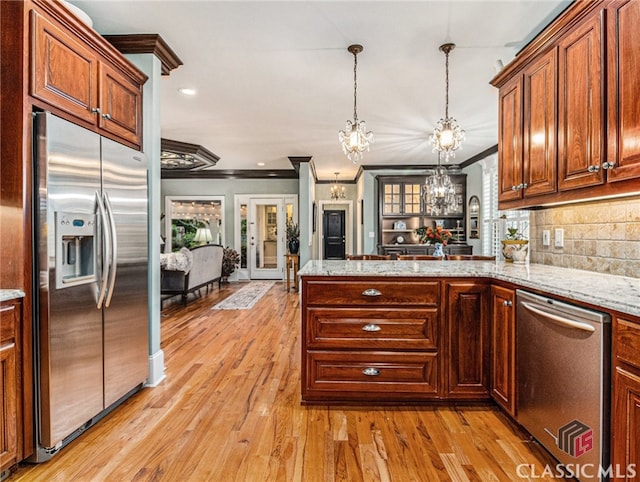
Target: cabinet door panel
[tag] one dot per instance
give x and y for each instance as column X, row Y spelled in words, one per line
column 510, row 141
column 468, row 344
column 580, row 107
column 121, row 105
column 8, row 406
column 540, row 161
column 63, row 71
column 625, row 417
column 503, row 342
column 624, row 90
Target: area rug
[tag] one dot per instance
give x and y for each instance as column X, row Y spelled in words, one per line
column 246, row 297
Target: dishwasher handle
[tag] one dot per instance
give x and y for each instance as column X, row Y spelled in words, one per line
column 561, row 320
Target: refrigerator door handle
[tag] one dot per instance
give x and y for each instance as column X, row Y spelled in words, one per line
column 114, row 250
column 107, row 255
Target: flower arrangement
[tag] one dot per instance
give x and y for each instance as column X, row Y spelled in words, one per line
column 429, row 235
column 514, row 234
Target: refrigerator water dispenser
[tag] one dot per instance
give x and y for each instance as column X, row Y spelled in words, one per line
column 75, row 249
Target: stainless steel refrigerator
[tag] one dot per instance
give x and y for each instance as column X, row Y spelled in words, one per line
column 91, row 317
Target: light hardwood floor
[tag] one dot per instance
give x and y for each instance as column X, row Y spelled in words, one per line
column 229, row 410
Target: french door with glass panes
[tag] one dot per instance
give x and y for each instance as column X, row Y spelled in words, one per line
column 266, row 233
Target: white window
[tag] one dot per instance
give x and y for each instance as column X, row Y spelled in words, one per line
column 496, row 222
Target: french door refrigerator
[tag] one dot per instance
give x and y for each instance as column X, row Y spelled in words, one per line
column 91, row 321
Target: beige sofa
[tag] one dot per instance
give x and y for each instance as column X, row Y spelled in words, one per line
column 189, row 270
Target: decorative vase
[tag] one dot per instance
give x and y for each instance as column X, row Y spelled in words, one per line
column 294, row 245
column 438, row 250
column 515, row 250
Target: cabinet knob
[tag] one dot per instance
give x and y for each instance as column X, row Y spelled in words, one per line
column 507, row 303
column 371, row 327
column 371, row 292
column 608, row 165
column 593, row 168
column 371, row 372
column 107, row 116
column 524, row 185
column 95, row 110
column 514, row 188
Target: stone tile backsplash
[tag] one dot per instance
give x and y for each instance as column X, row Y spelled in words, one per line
column 601, row 236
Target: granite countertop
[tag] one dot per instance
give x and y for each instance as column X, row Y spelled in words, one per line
column 618, row 293
column 6, row 295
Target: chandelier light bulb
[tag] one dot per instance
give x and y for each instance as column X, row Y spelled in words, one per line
column 355, row 139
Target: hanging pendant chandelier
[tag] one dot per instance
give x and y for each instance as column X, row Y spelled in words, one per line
column 337, row 191
column 447, row 136
column 439, row 193
column 355, row 139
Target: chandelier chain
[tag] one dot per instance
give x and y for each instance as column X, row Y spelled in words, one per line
column 355, row 87
column 446, row 85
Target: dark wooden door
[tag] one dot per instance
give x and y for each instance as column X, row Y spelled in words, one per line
column 334, row 234
column 503, row 343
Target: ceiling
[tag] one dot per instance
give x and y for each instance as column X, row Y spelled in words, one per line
column 275, row 79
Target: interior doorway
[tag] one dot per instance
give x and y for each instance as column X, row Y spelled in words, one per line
column 333, row 226
column 346, row 206
column 260, row 234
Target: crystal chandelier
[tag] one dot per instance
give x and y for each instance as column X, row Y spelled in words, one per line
column 337, row 191
column 355, row 139
column 439, row 193
column 447, row 136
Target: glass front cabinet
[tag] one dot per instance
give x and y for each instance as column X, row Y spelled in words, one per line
column 402, row 210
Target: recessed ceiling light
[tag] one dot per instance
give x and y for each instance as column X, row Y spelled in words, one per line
column 187, row 91
column 261, row 164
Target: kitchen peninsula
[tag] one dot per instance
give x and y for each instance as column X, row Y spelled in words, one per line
column 445, row 331
column 431, row 330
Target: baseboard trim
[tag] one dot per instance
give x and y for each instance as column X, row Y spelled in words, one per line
column 156, row 369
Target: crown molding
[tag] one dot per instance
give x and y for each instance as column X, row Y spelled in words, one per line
column 230, row 174
column 147, row 43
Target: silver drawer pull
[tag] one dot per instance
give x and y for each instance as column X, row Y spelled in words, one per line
column 371, row 292
column 371, row 327
column 371, row 372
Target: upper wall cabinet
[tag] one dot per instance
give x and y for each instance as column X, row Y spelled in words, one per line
column 580, row 107
column 623, row 53
column 89, row 84
column 572, row 91
column 527, row 147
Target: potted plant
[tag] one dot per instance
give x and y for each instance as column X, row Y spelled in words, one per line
column 293, row 237
column 438, row 237
column 230, row 261
column 514, row 246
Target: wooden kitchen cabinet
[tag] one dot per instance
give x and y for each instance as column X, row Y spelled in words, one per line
column 81, row 82
column 625, row 410
column 467, row 339
column 10, row 383
column 370, row 339
column 581, row 107
column 503, row 348
column 568, row 123
column 623, row 54
column 527, row 146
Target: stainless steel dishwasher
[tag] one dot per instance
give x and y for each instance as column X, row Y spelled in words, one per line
column 563, row 360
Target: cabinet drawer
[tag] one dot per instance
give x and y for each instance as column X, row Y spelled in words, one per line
column 372, row 293
column 8, row 322
column 354, row 374
column 382, row 329
column 627, row 342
